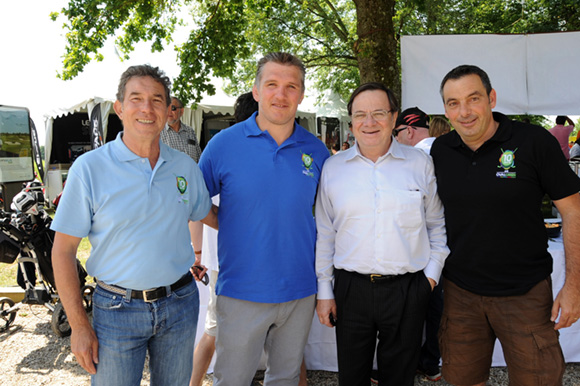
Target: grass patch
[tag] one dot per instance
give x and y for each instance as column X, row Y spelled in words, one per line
column 8, row 271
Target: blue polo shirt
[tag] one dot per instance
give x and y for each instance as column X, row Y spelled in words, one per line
column 135, row 218
column 267, row 192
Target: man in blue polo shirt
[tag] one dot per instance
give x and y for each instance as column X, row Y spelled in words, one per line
column 133, row 198
column 266, row 170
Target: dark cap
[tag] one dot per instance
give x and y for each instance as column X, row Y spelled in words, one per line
column 413, row 116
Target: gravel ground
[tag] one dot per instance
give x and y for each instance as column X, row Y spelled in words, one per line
column 30, row 354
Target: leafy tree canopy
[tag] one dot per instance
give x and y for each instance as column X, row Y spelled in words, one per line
column 342, row 42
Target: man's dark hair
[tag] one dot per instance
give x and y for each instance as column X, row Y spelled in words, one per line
column 464, row 70
column 245, row 106
column 280, row 58
column 561, row 120
column 140, row 71
column 393, row 102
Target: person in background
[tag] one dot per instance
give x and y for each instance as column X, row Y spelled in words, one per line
column 562, row 133
column 345, row 145
column 380, row 247
column 145, row 300
column 244, row 107
column 438, row 126
column 575, row 150
column 492, row 173
column 267, row 284
column 177, row 134
column 335, row 148
column 412, row 129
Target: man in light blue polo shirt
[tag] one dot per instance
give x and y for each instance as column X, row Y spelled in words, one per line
column 133, row 198
column 266, row 170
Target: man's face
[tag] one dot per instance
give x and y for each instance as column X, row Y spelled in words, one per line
column 144, row 108
column 175, row 112
column 372, row 136
column 278, row 94
column 468, row 107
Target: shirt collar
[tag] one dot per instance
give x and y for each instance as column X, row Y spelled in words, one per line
column 394, row 150
column 251, row 129
column 124, row 154
column 168, row 128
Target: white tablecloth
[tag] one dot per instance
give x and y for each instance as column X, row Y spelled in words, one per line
column 320, row 351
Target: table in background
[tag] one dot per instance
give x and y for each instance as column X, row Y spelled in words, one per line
column 320, row 351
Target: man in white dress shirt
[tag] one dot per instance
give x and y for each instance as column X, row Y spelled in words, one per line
column 381, row 238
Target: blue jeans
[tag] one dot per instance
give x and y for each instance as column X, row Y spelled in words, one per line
column 128, row 328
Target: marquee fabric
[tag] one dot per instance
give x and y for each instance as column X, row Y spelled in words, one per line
column 532, row 74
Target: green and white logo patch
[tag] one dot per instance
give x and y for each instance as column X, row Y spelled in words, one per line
column 307, row 163
column 507, row 161
column 181, row 184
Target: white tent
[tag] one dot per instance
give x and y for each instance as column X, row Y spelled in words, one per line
column 56, row 169
column 62, row 148
column 195, row 117
column 532, row 74
column 329, row 105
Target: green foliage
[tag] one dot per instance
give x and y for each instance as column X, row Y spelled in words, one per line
column 91, row 22
column 539, row 120
column 228, row 36
column 227, row 39
column 487, row 16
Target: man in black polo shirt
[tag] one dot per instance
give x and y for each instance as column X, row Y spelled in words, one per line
column 492, row 174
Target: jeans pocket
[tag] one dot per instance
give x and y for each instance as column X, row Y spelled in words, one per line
column 106, row 300
column 185, row 291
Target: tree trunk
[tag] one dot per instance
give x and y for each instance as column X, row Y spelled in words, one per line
column 376, row 47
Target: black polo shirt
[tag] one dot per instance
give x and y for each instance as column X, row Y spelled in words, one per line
column 492, row 198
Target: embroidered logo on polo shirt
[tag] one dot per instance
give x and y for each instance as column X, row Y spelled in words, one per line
column 507, row 161
column 181, row 184
column 307, row 163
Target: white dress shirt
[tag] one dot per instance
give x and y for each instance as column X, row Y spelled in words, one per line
column 425, row 144
column 379, row 218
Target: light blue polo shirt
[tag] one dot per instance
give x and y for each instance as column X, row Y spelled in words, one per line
column 136, row 218
column 267, row 192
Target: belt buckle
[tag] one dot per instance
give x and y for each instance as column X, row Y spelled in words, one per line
column 375, row 276
column 146, row 298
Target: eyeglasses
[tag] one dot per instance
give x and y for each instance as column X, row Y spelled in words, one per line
column 397, row 131
column 378, row 115
column 173, row 108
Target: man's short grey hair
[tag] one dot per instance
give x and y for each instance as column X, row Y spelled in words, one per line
column 140, row 71
column 177, row 99
column 283, row 58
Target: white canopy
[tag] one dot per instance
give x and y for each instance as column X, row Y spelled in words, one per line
column 194, row 118
column 532, row 74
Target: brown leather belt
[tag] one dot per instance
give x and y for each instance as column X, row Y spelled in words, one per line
column 149, row 295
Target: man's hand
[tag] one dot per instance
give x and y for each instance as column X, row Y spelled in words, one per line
column 325, row 307
column 85, row 346
column 432, row 282
column 198, row 271
column 567, row 304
